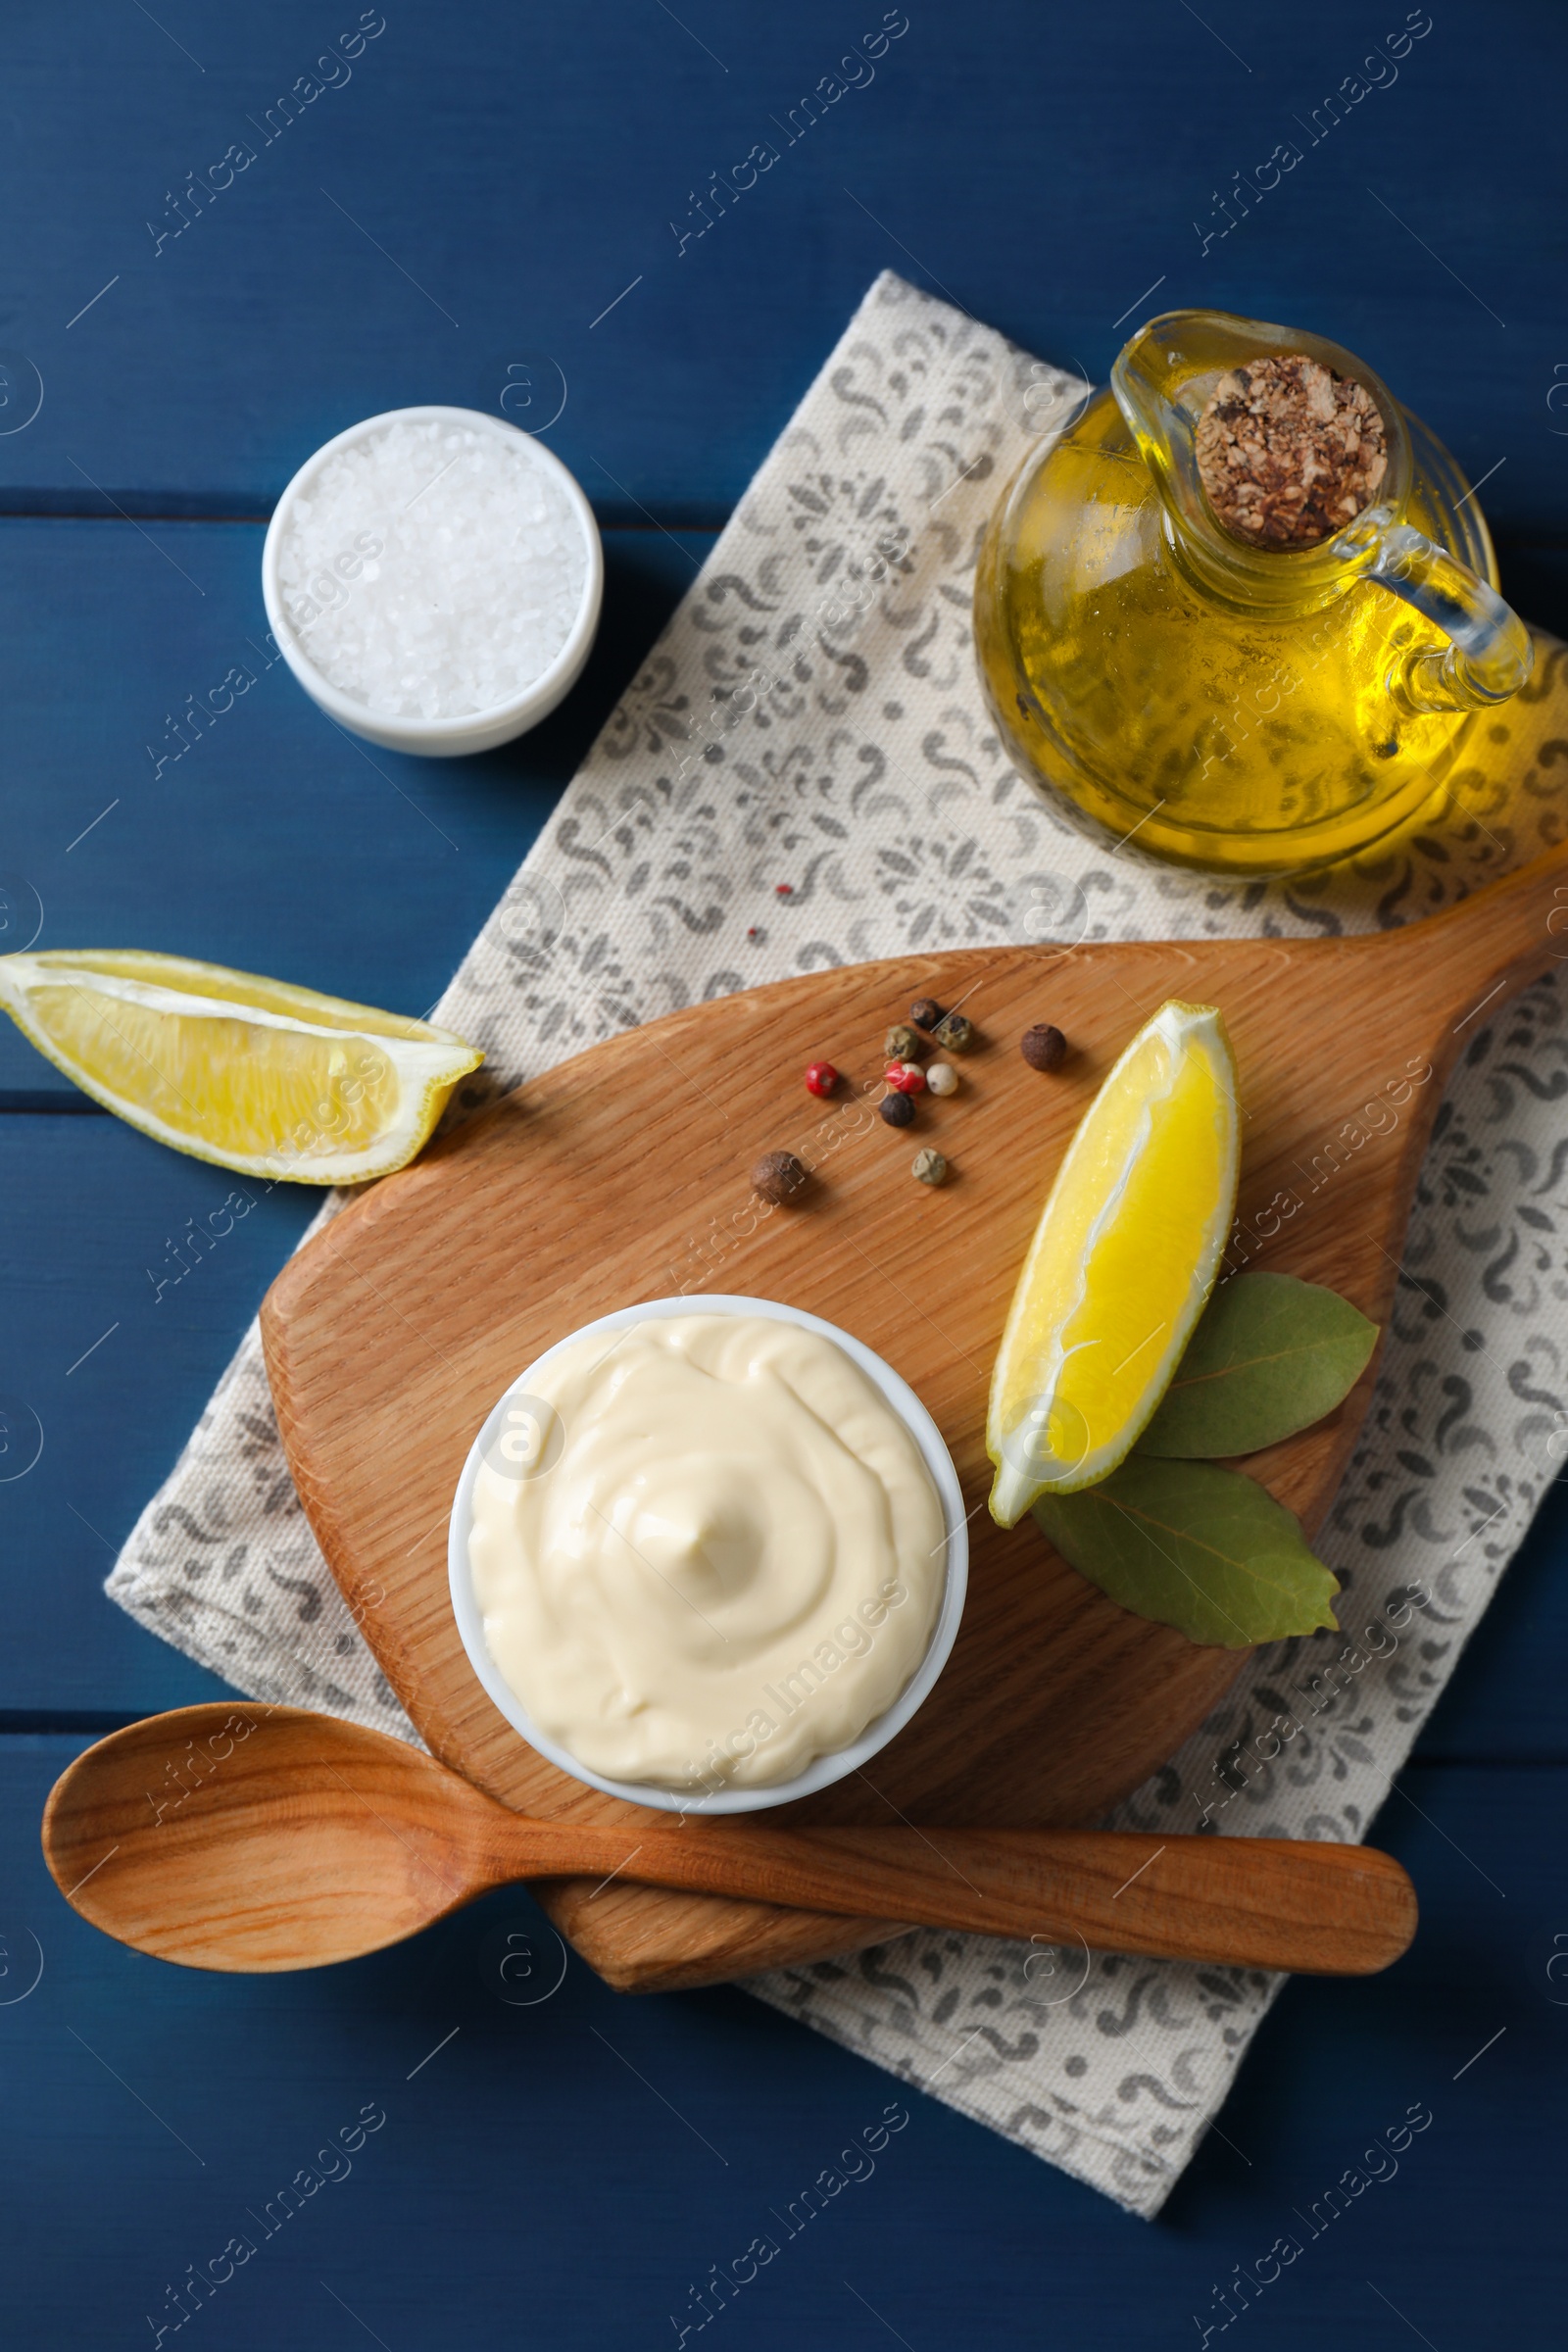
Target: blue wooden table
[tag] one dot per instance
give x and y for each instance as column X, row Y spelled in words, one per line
column 500, row 207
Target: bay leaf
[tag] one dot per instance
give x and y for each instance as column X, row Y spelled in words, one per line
column 1190, row 1544
column 1270, row 1356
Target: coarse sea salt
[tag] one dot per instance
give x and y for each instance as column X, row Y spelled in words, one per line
column 432, row 571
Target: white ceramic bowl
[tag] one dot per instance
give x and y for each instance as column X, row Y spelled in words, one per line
column 823, row 1770
column 476, row 731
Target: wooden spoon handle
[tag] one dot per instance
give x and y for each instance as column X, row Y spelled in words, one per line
column 1243, row 1902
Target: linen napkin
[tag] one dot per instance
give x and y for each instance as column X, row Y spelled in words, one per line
column 804, row 774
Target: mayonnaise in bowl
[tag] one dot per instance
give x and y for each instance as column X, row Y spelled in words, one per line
column 709, row 1552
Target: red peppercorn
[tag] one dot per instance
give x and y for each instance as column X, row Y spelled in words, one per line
column 820, row 1078
column 906, row 1077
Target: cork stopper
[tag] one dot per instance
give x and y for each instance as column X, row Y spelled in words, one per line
column 1288, row 452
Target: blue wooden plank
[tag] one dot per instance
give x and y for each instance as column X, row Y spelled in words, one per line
column 563, row 2174
column 470, row 193
column 273, row 842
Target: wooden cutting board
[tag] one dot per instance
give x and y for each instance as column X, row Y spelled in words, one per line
column 625, row 1175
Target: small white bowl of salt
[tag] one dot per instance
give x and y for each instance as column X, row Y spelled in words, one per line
column 433, row 578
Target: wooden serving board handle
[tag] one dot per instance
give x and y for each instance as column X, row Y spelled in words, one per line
column 622, row 1175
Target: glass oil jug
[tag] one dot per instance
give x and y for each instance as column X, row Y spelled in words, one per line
column 1246, row 709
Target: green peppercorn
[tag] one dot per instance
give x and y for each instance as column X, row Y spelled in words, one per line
column 956, row 1032
column 901, row 1044
column 929, row 1168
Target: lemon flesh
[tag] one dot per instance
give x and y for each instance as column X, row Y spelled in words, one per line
column 254, row 1074
column 1123, row 1259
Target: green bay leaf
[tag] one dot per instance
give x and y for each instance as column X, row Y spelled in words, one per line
column 1271, row 1355
column 1192, row 1546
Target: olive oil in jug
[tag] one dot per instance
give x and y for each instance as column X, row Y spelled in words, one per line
column 1246, row 708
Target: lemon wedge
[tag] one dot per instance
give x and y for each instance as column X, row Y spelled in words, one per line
column 272, row 1080
column 1122, row 1263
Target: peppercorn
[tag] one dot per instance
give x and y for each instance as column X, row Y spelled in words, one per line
column 820, row 1078
column 897, row 1110
column 906, row 1077
column 929, row 1168
column 925, row 1012
column 956, row 1032
column 942, row 1078
column 779, row 1177
column 1044, row 1048
column 901, row 1044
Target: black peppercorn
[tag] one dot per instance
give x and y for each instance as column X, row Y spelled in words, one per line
column 925, row 1012
column 1044, row 1048
column 897, row 1110
column 779, row 1177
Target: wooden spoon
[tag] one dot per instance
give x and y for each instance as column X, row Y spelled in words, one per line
column 233, row 1836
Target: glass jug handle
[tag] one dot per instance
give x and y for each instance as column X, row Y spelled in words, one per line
column 1490, row 653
